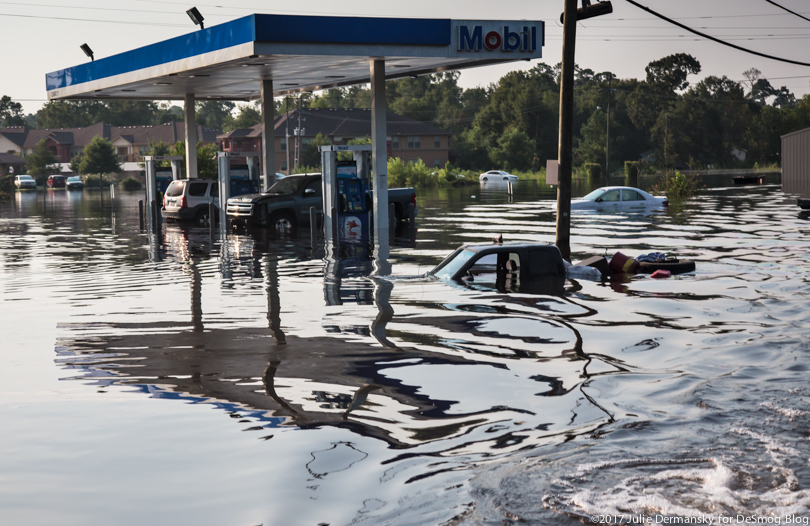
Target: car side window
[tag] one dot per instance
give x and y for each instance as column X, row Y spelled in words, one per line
column 631, row 195
column 197, row 188
column 611, row 195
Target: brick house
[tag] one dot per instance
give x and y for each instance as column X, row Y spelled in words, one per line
column 130, row 142
column 408, row 139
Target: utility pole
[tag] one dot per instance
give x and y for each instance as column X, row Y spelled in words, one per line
column 287, row 133
column 298, row 133
column 566, row 135
column 607, row 136
column 569, row 19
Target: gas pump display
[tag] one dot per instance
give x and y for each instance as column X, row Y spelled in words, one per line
column 353, row 203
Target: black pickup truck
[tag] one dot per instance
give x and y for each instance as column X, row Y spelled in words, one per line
column 286, row 204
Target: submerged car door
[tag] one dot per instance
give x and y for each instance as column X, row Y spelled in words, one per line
column 632, row 199
column 311, row 196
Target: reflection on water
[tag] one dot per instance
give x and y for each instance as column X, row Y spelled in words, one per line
column 405, row 400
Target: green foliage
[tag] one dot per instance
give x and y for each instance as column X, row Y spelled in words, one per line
column 416, row 174
column 632, row 169
column 214, row 113
column 93, row 181
column 514, row 150
column 206, row 158
column 676, row 185
column 99, row 157
column 593, row 171
column 6, row 186
column 310, row 154
column 11, row 113
column 248, row 116
column 41, row 162
column 131, row 184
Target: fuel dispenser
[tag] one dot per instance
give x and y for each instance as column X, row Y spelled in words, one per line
column 228, row 186
column 347, row 202
column 153, row 200
column 353, row 204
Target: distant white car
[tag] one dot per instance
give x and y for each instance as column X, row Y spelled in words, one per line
column 497, row 175
column 617, row 197
column 24, row 181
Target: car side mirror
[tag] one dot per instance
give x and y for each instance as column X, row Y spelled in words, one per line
column 309, row 191
column 598, row 199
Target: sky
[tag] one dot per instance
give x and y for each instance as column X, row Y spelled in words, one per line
column 41, row 36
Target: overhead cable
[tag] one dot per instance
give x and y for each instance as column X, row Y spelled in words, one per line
column 714, row 39
column 788, row 10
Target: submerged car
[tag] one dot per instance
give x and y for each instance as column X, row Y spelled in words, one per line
column 56, row 181
column 24, row 181
column 617, row 197
column 74, row 182
column 497, row 175
column 509, row 267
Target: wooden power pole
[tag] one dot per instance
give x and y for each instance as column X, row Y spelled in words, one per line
column 566, row 137
column 569, row 18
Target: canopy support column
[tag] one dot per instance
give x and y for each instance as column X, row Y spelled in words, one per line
column 268, row 134
column 191, row 137
column 379, row 156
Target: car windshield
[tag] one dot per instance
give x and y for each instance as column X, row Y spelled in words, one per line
column 26, row 178
column 75, row 179
column 448, row 268
column 288, row 185
column 593, row 195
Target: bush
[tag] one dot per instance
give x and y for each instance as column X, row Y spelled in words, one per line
column 6, row 186
column 92, row 181
column 593, row 170
column 676, row 185
column 130, row 184
column 632, row 169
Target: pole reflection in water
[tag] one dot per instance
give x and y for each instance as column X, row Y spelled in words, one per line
column 274, row 300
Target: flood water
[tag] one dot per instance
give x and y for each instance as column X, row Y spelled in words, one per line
column 190, row 378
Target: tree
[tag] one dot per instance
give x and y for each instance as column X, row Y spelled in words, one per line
column 69, row 113
column 670, row 72
column 11, row 113
column 247, row 117
column 206, row 158
column 99, row 157
column 311, row 151
column 514, row 150
column 213, row 113
column 129, row 113
column 40, row 162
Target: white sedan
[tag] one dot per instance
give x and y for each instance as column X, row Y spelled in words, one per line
column 497, row 175
column 617, row 197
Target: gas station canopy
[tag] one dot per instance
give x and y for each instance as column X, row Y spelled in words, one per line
column 298, row 53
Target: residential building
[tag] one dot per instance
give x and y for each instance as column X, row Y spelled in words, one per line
column 131, row 142
column 408, row 139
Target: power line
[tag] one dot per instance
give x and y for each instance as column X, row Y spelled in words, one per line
column 788, row 10
column 704, row 35
column 94, row 20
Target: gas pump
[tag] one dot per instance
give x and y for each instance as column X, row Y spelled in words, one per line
column 229, row 187
column 347, row 206
column 353, row 204
column 153, row 201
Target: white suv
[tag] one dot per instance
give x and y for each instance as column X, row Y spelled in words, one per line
column 188, row 199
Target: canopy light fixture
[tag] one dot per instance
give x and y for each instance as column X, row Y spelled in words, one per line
column 87, row 51
column 196, row 17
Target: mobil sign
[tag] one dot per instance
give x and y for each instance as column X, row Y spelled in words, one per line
column 517, row 37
